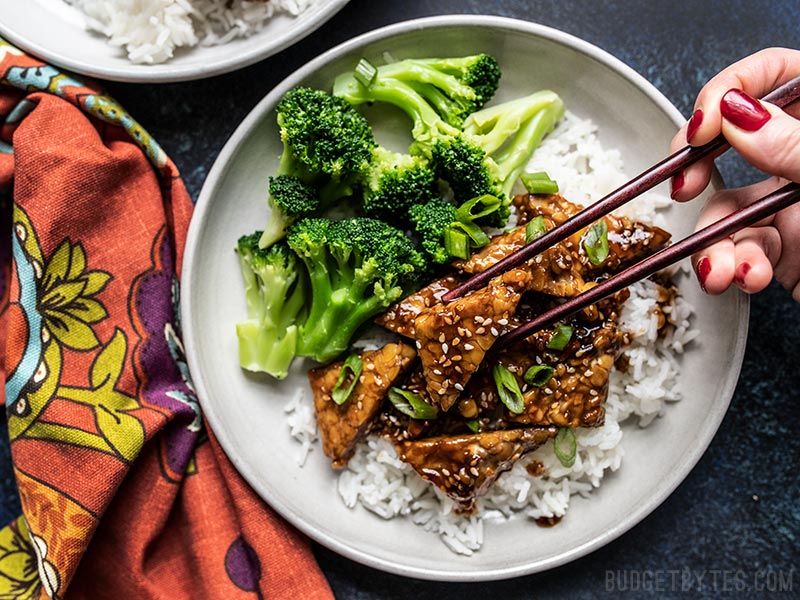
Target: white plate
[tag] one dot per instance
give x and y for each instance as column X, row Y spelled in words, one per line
column 56, row 33
column 246, row 413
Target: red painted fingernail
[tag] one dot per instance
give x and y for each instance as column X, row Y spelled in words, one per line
column 676, row 184
column 743, row 110
column 741, row 272
column 694, row 124
column 703, row 269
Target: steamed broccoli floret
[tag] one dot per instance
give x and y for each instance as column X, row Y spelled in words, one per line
column 327, row 145
column 494, row 148
column 447, row 231
column 322, row 134
column 289, row 199
column 428, row 124
column 394, row 183
column 484, row 156
column 357, row 268
column 275, row 295
column 455, row 87
column 510, row 132
column 430, row 221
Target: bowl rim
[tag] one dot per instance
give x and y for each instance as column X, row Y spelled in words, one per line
column 470, row 574
column 168, row 72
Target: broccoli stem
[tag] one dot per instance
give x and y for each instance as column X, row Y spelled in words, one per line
column 335, row 316
column 276, row 226
column 510, row 132
column 398, row 93
column 494, row 125
column 513, row 160
column 414, row 71
column 261, row 349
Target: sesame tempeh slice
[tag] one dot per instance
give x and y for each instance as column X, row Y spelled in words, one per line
column 465, row 466
column 556, row 271
column 342, row 426
column 453, row 338
column 399, row 317
column 628, row 241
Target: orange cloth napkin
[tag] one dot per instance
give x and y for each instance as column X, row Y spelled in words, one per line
column 124, row 492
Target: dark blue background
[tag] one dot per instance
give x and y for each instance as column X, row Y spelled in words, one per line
column 736, row 518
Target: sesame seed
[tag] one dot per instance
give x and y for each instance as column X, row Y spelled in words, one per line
column 480, row 330
column 494, row 332
column 437, row 372
column 503, row 322
column 459, row 387
column 474, row 471
column 445, row 348
column 468, row 346
column 441, row 337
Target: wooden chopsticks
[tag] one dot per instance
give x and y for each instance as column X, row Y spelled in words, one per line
column 673, row 164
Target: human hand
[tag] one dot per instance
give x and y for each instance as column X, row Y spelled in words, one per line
column 769, row 139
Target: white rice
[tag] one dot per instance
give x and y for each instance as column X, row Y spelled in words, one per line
column 151, row 30
column 379, row 481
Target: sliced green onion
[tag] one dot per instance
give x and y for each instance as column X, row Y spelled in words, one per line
column 508, row 389
column 365, row 73
column 536, row 228
column 456, row 243
column 477, row 236
column 464, row 234
column 538, row 375
column 595, row 242
column 539, row 183
column 350, row 371
column 473, row 425
column 477, row 207
column 565, row 446
column 561, row 337
column 411, row 404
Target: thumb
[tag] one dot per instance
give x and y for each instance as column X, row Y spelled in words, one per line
column 762, row 133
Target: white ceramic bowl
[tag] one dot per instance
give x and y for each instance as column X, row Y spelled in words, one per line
column 56, row 33
column 246, row 413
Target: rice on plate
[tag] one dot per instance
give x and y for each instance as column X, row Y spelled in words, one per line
column 151, row 30
column 538, row 486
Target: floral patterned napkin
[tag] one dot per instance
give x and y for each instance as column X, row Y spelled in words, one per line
column 124, row 492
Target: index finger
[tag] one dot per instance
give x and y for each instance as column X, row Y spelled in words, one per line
column 756, row 74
